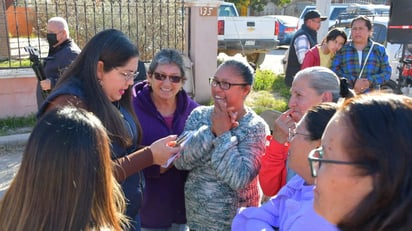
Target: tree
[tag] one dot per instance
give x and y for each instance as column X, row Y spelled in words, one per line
column 257, row 5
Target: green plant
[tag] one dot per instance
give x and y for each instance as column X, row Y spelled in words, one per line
column 10, row 124
column 263, row 80
column 260, row 101
column 279, row 87
column 16, row 63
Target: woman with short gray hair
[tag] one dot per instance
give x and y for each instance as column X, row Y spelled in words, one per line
column 310, row 87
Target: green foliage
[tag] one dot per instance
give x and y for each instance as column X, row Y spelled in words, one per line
column 263, row 80
column 9, row 124
column 258, row 5
column 279, row 87
column 260, row 101
column 16, row 63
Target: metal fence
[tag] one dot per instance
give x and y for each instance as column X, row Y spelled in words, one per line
column 151, row 24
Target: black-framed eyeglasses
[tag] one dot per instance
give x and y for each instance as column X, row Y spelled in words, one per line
column 292, row 133
column 224, row 85
column 162, row 77
column 127, row 76
column 316, row 159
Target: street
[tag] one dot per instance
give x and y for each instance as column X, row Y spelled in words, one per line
column 273, row 60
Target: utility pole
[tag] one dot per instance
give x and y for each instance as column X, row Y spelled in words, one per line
column 324, row 8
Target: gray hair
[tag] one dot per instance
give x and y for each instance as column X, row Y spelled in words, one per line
column 321, row 79
column 61, row 23
column 168, row 56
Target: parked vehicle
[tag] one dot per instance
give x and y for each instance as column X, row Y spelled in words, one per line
column 334, row 11
column 285, row 27
column 250, row 36
column 369, row 10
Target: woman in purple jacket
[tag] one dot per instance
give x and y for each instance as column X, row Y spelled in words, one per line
column 162, row 107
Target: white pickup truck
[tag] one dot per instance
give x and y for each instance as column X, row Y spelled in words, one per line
column 251, row 36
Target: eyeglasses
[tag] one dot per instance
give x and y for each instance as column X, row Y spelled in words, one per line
column 224, row 85
column 172, row 78
column 292, row 133
column 316, row 159
column 127, row 76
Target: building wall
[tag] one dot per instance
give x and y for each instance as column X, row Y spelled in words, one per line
column 17, row 93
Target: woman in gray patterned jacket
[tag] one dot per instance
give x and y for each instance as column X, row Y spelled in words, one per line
column 223, row 155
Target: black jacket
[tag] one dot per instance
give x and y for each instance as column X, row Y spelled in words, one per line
column 293, row 65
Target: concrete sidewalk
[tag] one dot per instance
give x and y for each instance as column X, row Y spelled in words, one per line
column 13, row 140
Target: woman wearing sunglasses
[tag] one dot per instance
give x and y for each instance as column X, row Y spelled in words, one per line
column 223, row 156
column 100, row 80
column 363, row 167
column 277, row 212
column 162, row 107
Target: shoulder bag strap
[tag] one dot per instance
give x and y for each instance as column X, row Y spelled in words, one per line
column 366, row 59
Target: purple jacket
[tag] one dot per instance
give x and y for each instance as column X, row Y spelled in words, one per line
column 277, row 212
column 163, row 200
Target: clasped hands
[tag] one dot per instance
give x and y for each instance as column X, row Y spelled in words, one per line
column 361, row 85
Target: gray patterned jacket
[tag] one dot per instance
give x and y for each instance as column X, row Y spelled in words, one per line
column 223, row 170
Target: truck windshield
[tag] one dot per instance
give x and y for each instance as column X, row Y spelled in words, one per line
column 226, row 11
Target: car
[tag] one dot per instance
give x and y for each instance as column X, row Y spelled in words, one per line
column 285, row 27
column 334, row 11
column 369, row 10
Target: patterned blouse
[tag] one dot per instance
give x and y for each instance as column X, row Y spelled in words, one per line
column 222, row 170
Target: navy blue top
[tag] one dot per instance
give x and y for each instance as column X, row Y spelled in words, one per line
column 133, row 185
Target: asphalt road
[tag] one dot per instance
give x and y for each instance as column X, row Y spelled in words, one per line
column 273, row 60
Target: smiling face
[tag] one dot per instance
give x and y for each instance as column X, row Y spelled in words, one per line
column 339, row 187
column 165, row 90
column 114, row 82
column 303, row 97
column 235, row 95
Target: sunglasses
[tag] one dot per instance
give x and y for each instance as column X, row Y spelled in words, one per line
column 172, row 78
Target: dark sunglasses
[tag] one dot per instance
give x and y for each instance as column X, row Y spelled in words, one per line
column 172, row 78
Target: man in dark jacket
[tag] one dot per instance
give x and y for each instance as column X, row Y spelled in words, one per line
column 304, row 39
column 62, row 52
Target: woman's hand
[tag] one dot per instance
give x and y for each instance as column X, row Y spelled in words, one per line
column 162, row 150
column 281, row 127
column 223, row 118
column 361, row 85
